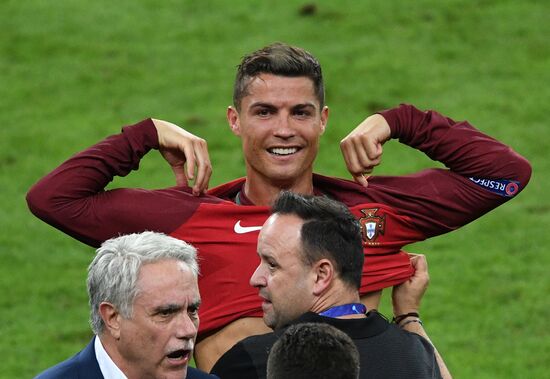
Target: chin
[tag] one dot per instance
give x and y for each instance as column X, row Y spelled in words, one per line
column 270, row 323
column 286, row 177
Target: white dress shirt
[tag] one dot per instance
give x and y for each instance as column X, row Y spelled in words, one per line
column 108, row 368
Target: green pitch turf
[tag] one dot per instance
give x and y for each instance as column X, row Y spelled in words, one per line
column 74, row 71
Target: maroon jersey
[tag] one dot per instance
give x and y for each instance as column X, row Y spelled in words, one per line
column 393, row 211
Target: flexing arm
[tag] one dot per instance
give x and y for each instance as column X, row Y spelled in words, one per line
column 362, row 148
column 73, row 199
column 406, row 299
column 483, row 173
column 458, row 145
column 184, row 152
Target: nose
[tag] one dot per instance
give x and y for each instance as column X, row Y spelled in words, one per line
column 284, row 128
column 258, row 278
column 187, row 326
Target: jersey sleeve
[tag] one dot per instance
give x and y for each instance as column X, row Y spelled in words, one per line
column 73, row 198
column 481, row 174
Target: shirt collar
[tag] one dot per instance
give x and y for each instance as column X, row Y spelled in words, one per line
column 108, row 368
column 242, row 199
column 370, row 326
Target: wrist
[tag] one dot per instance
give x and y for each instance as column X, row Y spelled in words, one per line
column 402, row 317
column 390, row 117
column 411, row 323
column 403, row 310
column 158, row 128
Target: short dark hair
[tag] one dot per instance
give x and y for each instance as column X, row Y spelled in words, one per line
column 313, row 350
column 278, row 59
column 329, row 231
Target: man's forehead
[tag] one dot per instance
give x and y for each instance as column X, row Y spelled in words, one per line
column 166, row 276
column 169, row 268
column 273, row 88
column 279, row 232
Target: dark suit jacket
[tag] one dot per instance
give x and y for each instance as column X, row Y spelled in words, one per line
column 84, row 366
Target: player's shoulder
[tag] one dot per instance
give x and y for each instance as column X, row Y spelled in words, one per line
column 228, row 190
column 65, row 369
column 343, row 190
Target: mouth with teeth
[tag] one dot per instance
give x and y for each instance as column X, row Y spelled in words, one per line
column 179, row 357
column 282, row 151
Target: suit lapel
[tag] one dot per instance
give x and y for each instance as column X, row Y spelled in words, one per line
column 88, row 368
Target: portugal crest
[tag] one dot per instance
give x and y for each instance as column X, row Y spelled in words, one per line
column 371, row 224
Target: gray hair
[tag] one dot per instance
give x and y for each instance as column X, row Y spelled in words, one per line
column 113, row 273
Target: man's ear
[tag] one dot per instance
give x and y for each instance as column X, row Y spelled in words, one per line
column 324, row 275
column 324, row 119
column 233, row 120
column 111, row 318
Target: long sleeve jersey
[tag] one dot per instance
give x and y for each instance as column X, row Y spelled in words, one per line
column 223, row 225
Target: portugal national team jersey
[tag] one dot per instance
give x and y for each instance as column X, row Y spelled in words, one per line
column 393, row 211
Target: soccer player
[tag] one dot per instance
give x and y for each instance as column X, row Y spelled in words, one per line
column 279, row 114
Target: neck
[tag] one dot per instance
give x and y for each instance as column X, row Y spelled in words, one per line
column 335, row 297
column 109, row 344
column 263, row 192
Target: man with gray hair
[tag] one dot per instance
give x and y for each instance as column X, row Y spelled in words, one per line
column 144, row 301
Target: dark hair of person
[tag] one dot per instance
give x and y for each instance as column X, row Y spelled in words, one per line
column 313, row 350
column 278, row 59
column 329, row 231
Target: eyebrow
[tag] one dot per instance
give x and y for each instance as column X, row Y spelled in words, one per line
column 167, row 308
column 306, row 105
column 266, row 256
column 176, row 307
column 262, row 105
column 269, row 105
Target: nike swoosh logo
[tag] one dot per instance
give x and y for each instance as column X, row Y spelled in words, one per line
column 245, row 229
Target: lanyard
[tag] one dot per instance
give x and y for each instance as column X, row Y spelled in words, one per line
column 345, row 310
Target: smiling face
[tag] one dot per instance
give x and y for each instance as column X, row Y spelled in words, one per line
column 285, row 282
column 158, row 340
column 280, row 123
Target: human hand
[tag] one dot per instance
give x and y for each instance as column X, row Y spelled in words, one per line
column 362, row 148
column 406, row 297
column 186, row 154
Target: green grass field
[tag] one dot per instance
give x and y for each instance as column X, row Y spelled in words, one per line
column 74, row 71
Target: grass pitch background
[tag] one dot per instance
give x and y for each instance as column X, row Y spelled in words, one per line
column 73, row 72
